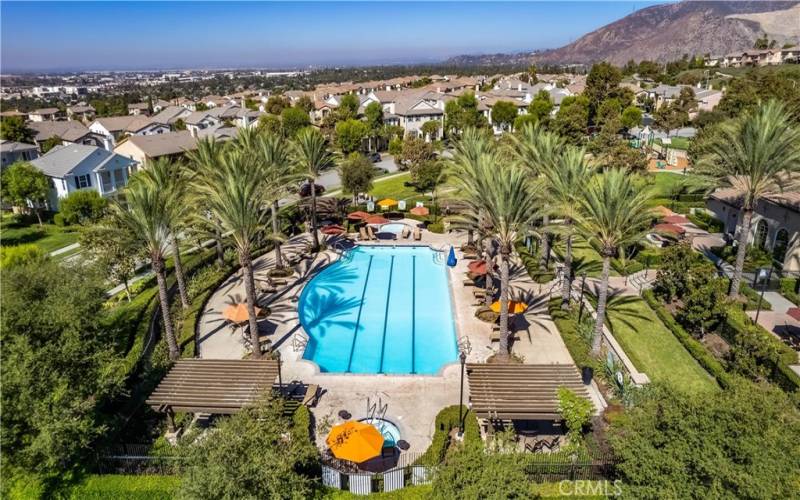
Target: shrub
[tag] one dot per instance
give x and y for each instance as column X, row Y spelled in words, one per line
column 753, row 298
column 82, row 206
column 576, row 412
column 446, row 421
column 705, row 221
column 436, row 227
column 789, row 289
column 578, row 346
column 21, row 255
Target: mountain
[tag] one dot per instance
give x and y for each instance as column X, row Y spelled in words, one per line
column 666, row 32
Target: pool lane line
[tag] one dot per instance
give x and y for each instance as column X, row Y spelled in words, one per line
column 413, row 308
column 386, row 313
column 358, row 318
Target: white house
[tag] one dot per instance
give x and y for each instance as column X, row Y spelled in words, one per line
column 114, row 128
column 75, row 166
column 12, row 152
column 44, row 114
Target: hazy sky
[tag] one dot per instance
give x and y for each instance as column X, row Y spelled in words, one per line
column 140, row 35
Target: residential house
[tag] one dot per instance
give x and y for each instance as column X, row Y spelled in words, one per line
column 219, row 117
column 138, row 108
column 83, row 112
column 161, row 104
column 766, row 57
column 114, row 128
column 12, row 152
column 73, row 132
column 171, row 114
column 182, row 102
column 45, row 114
column 73, row 166
column 411, row 109
column 790, row 55
column 775, row 226
column 707, row 99
column 731, row 61
column 144, row 148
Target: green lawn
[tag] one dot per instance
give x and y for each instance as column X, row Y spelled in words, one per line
column 48, row 237
column 677, row 143
column 394, row 187
column 653, row 349
column 585, row 258
column 665, row 183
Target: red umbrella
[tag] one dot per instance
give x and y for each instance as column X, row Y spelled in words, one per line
column 421, row 211
column 676, row 219
column 359, row 215
column 376, row 219
column 478, row 267
column 794, row 313
column 669, row 228
column 332, row 229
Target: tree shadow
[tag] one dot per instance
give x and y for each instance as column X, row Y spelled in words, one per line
column 622, row 307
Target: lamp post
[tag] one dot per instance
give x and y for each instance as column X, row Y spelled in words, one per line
column 763, row 275
column 580, row 300
column 280, row 375
column 463, row 358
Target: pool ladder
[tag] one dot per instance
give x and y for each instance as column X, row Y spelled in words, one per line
column 299, row 342
column 376, row 409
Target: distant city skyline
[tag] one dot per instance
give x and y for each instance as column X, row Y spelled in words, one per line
column 71, row 36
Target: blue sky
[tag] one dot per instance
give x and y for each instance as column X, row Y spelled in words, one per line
column 142, row 35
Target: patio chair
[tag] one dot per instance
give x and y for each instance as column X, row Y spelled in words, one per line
column 276, row 282
column 406, row 233
column 362, row 233
column 417, row 234
column 495, row 336
column 310, row 399
column 265, row 287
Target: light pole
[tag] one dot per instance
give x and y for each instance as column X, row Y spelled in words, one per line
column 764, row 275
column 280, row 375
column 463, row 358
column 580, row 300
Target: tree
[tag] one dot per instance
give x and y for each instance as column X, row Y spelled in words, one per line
column 50, row 143
column 541, row 106
column 430, row 129
column 532, row 77
column 256, row 453
column 276, row 104
column 615, row 214
column 373, row 115
column 463, row 113
column 415, row 151
column 179, row 125
column 293, row 120
column 503, row 113
column 609, row 111
column 356, row 174
column 470, row 472
column 601, row 83
column 709, row 444
column 22, row 183
column 502, row 201
column 704, row 304
column 145, row 216
column 671, row 283
column 270, row 123
column 206, row 157
column 58, row 366
column 350, row 135
column 14, row 128
column 235, row 195
column 611, row 150
column 631, row 117
column 201, row 106
column 427, row 175
column 305, row 103
column 348, row 107
column 82, row 207
column 572, row 118
column 116, row 252
column 311, row 157
column 756, row 155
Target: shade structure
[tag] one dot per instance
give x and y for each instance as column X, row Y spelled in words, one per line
column 514, row 307
column 479, row 267
column 676, row 219
column 237, row 313
column 355, row 441
column 332, row 229
column 376, row 219
column 421, row 211
column 387, row 202
column 669, row 228
column 358, row 215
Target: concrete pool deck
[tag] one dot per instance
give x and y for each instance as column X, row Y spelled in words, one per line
column 412, row 401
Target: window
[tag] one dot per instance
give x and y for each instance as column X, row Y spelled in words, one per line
column 83, row 181
column 761, row 234
column 779, row 248
column 119, row 178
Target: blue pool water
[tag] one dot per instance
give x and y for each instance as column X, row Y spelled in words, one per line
column 380, row 310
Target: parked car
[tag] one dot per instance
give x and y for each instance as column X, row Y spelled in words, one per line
column 374, row 157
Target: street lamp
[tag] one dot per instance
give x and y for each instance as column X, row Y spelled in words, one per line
column 463, row 358
column 580, row 300
column 280, row 375
column 763, row 275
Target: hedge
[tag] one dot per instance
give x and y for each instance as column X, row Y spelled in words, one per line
column 695, row 348
column 706, row 222
column 446, row 421
column 789, row 289
column 144, row 487
column 753, row 297
column 567, row 325
column 531, row 263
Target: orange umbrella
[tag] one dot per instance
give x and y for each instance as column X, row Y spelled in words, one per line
column 668, row 228
column 387, row 202
column 376, row 219
column 237, row 313
column 359, row 215
column 514, row 307
column 478, row 267
column 676, row 219
column 421, row 211
column 332, row 229
column 355, row 441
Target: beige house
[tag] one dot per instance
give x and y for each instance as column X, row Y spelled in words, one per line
column 143, row 148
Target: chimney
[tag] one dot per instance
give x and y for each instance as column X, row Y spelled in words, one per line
column 519, row 87
column 193, row 132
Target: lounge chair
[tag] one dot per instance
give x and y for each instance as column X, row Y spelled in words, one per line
column 469, row 282
column 266, row 287
column 417, row 234
column 470, row 256
column 362, row 233
column 479, row 293
column 371, row 233
column 406, row 233
column 276, row 282
column 495, row 337
column 310, row 399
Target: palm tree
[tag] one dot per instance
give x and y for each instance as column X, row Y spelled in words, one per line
column 235, row 194
column 145, row 214
column 472, row 144
column 756, row 155
column 171, row 179
column 205, row 158
column 613, row 212
column 563, row 184
column 311, row 156
column 502, row 200
column 537, row 150
column 281, row 175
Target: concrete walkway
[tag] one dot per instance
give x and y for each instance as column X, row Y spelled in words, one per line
column 65, row 249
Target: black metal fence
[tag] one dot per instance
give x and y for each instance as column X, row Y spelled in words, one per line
column 560, row 466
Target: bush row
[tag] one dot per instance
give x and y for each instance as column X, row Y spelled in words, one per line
column 706, row 222
column 789, row 289
column 567, row 325
column 446, row 421
column 695, row 348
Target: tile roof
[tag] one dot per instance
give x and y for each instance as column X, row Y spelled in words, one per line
column 170, row 143
column 68, row 131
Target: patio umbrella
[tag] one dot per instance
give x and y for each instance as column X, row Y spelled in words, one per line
column 376, row 219
column 451, row 259
column 387, row 202
column 355, row 441
column 663, row 211
column 359, row 215
column 669, row 228
column 332, row 229
column 514, row 307
column 421, row 211
column 794, row 313
column 237, row 313
column 479, row 267
column 676, row 219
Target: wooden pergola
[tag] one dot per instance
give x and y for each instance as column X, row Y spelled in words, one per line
column 213, row 386
column 520, row 391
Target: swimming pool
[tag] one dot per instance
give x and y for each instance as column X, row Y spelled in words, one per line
column 393, row 227
column 380, row 309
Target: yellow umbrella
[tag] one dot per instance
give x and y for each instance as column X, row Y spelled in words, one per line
column 387, row 202
column 514, row 307
column 237, row 313
column 355, row 441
